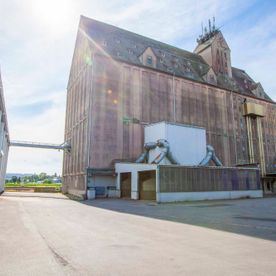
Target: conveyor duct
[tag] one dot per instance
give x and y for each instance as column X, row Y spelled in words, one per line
column 165, row 152
column 210, row 156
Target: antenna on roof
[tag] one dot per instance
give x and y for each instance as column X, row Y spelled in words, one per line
column 214, row 23
column 209, row 26
column 201, row 28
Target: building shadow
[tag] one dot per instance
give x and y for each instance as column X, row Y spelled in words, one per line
column 251, row 217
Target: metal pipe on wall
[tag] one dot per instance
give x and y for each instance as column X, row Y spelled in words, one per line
column 261, row 145
column 250, row 139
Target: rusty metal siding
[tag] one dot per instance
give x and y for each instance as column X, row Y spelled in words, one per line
column 76, row 120
column 202, row 179
column 148, row 95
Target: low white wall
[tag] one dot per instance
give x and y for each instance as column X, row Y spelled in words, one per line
column 190, row 196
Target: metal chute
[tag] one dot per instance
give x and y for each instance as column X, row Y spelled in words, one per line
column 210, row 156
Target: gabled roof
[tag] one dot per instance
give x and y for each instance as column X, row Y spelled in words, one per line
column 245, row 83
column 127, row 47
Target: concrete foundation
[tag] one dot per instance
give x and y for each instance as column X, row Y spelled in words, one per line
column 193, row 196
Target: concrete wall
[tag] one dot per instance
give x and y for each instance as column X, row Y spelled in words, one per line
column 4, row 139
column 216, row 195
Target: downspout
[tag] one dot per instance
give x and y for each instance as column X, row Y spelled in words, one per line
column 261, row 145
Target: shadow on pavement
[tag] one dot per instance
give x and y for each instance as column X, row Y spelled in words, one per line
column 251, row 217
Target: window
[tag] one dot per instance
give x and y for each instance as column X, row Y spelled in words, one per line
column 149, row 60
column 212, row 78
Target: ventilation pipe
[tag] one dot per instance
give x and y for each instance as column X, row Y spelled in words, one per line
column 210, row 156
column 145, row 155
column 165, row 152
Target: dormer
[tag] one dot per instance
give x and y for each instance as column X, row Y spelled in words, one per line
column 148, row 58
column 258, row 90
column 215, row 51
column 210, row 76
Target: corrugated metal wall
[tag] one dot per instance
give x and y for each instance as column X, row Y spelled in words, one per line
column 199, row 179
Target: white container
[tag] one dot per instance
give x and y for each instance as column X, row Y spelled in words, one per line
column 187, row 143
column 91, row 193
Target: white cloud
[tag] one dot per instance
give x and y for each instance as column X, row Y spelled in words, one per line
column 37, row 42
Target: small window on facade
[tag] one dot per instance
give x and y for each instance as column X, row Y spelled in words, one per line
column 149, row 60
column 212, row 78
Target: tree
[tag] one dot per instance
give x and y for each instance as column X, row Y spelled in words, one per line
column 14, row 179
column 42, row 176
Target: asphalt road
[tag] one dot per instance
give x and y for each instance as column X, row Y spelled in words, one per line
column 48, row 234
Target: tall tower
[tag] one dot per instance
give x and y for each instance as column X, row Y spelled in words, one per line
column 215, row 51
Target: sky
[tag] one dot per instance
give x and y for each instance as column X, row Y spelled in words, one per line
column 37, row 40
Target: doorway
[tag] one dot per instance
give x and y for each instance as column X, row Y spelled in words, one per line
column 126, row 185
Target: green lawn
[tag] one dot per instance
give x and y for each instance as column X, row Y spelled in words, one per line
column 31, row 185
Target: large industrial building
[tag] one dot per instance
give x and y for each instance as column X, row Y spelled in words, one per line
column 4, row 139
column 121, row 82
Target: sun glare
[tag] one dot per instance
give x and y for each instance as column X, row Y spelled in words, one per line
column 54, row 15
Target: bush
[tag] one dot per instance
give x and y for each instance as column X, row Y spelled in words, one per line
column 47, row 181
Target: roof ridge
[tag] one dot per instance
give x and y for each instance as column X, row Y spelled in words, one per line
column 82, row 17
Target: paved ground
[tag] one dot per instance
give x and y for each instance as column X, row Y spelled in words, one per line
column 48, row 234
